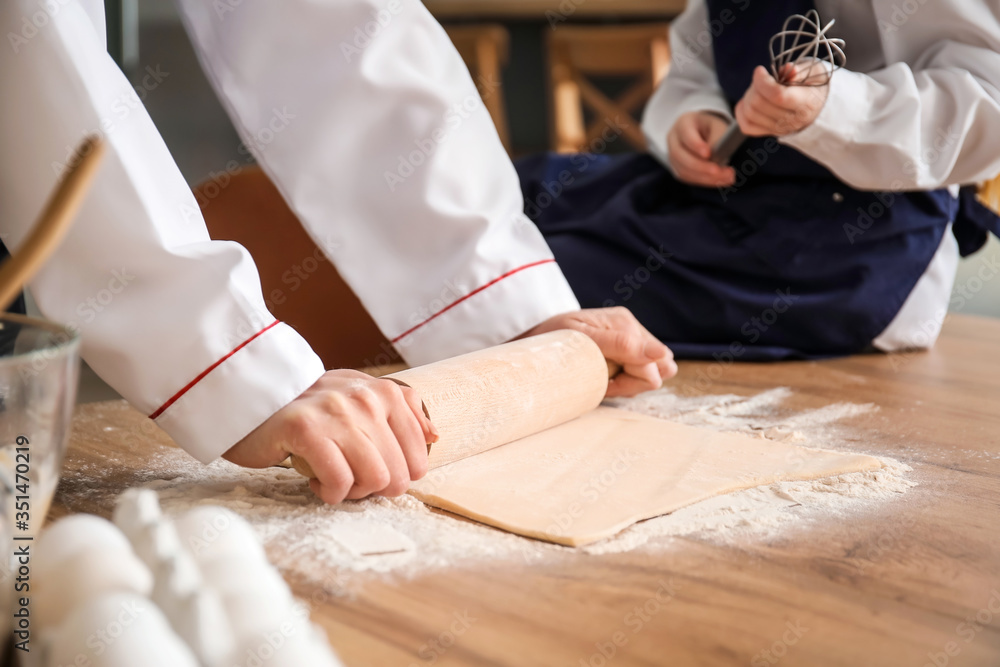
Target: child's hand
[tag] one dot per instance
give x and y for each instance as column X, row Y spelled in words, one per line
column 690, row 144
column 646, row 362
column 360, row 435
column 770, row 109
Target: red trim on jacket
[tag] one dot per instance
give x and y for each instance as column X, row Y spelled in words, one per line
column 173, row 399
column 470, row 295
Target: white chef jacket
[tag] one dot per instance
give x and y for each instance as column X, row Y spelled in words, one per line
column 919, row 109
column 381, row 145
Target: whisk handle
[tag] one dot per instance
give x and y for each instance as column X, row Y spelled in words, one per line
column 723, row 151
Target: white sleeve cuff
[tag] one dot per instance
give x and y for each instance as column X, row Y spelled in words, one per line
column 239, row 392
column 838, row 122
column 527, row 296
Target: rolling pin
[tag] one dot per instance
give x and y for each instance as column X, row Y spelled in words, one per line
column 495, row 396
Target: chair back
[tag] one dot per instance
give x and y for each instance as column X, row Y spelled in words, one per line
column 578, row 53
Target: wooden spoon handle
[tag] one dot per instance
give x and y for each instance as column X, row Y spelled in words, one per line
column 53, row 223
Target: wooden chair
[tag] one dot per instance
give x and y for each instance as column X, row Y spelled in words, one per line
column 485, row 48
column 320, row 306
column 641, row 52
column 989, row 193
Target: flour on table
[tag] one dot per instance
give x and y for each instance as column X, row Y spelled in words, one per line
column 326, row 546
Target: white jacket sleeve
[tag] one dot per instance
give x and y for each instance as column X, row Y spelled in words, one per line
column 931, row 118
column 172, row 320
column 365, row 117
column 691, row 84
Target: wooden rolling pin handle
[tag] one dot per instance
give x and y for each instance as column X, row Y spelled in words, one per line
column 302, row 466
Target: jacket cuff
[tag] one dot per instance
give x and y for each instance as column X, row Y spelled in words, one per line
column 239, row 392
column 840, row 118
column 515, row 302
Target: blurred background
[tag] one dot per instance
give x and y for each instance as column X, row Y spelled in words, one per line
column 565, row 66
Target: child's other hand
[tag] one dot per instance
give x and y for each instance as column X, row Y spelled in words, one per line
column 360, row 435
column 690, row 143
column 646, row 362
column 770, row 109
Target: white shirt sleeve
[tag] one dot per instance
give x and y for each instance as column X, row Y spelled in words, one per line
column 928, row 120
column 172, row 320
column 367, row 120
column 691, row 84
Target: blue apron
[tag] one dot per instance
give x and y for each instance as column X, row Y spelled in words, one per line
column 792, row 264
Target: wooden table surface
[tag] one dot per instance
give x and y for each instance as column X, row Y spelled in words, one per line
column 900, row 585
column 537, row 9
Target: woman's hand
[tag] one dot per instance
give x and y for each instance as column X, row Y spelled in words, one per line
column 690, row 144
column 360, row 435
column 646, row 361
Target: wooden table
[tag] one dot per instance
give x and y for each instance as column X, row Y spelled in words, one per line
column 886, row 588
column 537, row 9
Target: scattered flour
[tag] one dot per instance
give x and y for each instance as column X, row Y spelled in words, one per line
column 313, row 543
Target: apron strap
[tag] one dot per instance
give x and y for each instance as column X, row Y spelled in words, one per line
column 975, row 221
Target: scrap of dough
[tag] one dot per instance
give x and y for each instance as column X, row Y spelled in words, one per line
column 591, row 478
column 362, row 538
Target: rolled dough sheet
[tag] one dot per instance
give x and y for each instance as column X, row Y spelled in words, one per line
column 591, row 478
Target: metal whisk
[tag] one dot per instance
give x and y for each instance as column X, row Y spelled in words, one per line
column 802, row 47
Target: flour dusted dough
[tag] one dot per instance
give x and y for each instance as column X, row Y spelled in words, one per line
column 591, row 478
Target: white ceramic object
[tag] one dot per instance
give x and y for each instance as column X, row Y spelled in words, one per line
column 213, row 533
column 136, row 508
column 156, row 543
column 70, row 535
column 176, row 577
column 228, row 576
column 302, row 644
column 88, row 574
column 256, row 602
column 202, row 622
column 118, row 630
